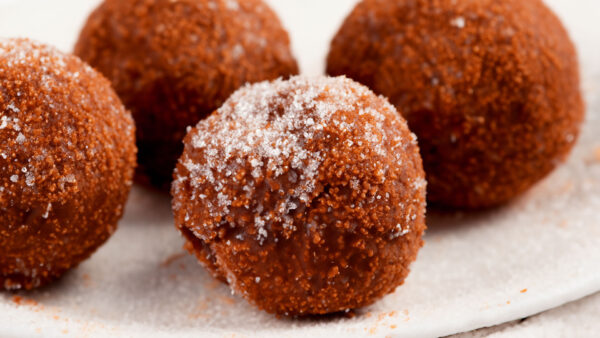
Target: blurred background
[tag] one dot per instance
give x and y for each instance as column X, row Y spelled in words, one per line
column 59, row 21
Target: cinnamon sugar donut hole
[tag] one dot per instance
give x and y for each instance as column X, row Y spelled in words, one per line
column 67, row 158
column 491, row 88
column 175, row 62
column 307, row 196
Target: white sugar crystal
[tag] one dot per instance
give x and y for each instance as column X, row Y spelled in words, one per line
column 13, row 108
column 262, row 232
column 47, row 212
column 419, row 183
column 413, row 139
column 458, row 22
column 255, row 163
column 70, row 178
column 224, row 200
column 21, row 138
column 14, row 178
column 400, row 231
column 29, row 179
column 232, row 5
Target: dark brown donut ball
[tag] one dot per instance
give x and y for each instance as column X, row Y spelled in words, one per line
column 175, row 62
column 491, row 88
column 307, row 196
column 67, row 158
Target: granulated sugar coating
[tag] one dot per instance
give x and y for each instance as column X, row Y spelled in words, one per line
column 307, row 196
column 491, row 88
column 175, row 62
column 67, row 157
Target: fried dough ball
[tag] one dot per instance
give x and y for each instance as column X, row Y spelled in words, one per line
column 175, row 62
column 307, row 196
column 67, row 159
column 491, row 88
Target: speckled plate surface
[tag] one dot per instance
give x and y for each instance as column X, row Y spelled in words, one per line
column 476, row 270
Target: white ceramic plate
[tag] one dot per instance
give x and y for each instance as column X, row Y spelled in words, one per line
column 475, row 270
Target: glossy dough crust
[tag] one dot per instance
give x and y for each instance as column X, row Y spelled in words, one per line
column 67, row 158
column 307, row 196
column 491, row 88
column 175, row 62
